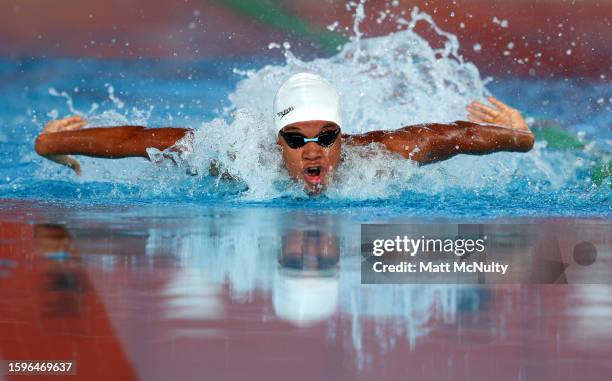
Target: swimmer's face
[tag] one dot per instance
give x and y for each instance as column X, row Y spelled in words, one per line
column 311, row 250
column 311, row 164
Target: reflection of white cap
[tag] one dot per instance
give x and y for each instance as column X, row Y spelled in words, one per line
column 305, row 97
column 304, row 300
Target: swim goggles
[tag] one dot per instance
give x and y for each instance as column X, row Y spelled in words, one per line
column 324, row 139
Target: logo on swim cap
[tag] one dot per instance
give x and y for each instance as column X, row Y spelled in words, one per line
column 305, row 97
column 285, row 112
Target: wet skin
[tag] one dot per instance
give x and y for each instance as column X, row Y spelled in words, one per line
column 311, row 164
column 502, row 129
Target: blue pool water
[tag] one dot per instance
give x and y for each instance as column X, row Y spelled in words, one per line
column 170, row 276
column 385, row 82
column 542, row 182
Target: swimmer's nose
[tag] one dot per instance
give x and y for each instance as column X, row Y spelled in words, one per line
column 312, row 151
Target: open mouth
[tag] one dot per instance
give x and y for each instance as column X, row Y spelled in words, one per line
column 313, row 174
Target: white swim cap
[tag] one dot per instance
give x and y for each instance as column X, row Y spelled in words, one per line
column 304, row 300
column 304, row 97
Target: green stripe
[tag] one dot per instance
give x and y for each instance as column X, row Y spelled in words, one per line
column 601, row 172
column 557, row 138
column 273, row 15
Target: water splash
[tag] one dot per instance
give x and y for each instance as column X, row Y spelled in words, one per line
column 359, row 17
column 108, row 117
column 69, row 101
column 385, row 82
column 400, row 74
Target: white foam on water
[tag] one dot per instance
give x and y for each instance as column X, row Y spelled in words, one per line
column 385, row 82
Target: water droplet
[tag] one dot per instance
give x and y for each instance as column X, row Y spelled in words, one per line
column 333, row 26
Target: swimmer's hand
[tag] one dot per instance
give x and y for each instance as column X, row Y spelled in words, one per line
column 71, row 123
column 501, row 115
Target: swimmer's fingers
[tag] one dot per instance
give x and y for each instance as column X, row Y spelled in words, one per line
column 72, row 123
column 67, row 124
column 510, row 117
column 475, row 119
column 481, row 116
column 75, row 165
column 499, row 104
column 71, row 120
column 66, row 160
column 485, row 109
column 52, row 126
column 74, row 126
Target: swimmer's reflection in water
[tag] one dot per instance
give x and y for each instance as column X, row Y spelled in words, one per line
column 306, row 282
column 309, row 250
column 64, row 278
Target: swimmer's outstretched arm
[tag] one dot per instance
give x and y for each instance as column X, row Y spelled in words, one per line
column 503, row 129
column 62, row 138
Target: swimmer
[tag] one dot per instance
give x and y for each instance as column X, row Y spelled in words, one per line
column 308, row 125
